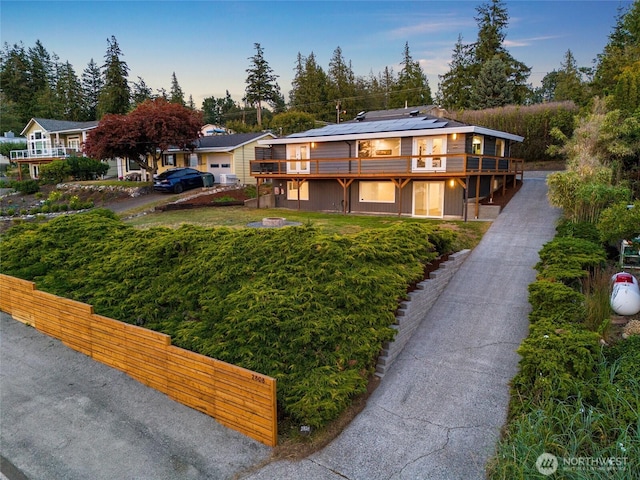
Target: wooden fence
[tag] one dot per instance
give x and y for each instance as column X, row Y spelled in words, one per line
column 236, row 397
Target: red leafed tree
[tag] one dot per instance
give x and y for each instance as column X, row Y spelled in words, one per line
column 145, row 134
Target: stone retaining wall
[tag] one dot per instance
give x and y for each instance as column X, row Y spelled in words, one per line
column 413, row 310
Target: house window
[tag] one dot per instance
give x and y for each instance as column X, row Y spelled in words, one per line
column 37, row 143
column 293, row 187
column 214, row 165
column 429, row 153
column 193, row 160
column 477, row 146
column 377, row 192
column 74, row 143
column 226, row 165
column 386, row 147
column 168, row 160
column 499, row 147
column 132, row 165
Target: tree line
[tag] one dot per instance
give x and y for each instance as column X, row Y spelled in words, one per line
column 482, row 74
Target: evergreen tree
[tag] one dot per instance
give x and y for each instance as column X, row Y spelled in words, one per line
column 176, row 94
column 341, row 85
column 10, row 119
column 455, row 85
column 217, row 110
column 42, row 68
column 92, row 84
column 14, row 80
column 69, row 93
column 141, row 92
column 569, row 85
column 412, row 87
column 492, row 88
column 492, row 19
column 546, row 92
column 261, row 84
column 387, row 81
column 42, row 81
column 622, row 50
column 191, row 104
column 309, row 88
column 115, row 94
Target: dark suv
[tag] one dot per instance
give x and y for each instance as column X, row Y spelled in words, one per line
column 177, row 180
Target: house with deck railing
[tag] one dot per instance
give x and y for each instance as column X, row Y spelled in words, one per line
column 404, row 161
column 49, row 140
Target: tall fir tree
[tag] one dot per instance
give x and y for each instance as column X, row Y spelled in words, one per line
column 492, row 19
column 115, row 96
column 92, row 84
column 455, row 85
column 176, row 95
column 412, row 86
column 569, row 84
column 492, row 88
column 309, row 88
column 261, row 84
column 42, row 82
column 16, row 93
column 141, row 92
column 341, row 85
column 69, row 93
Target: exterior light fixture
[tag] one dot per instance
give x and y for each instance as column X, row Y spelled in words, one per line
column 454, row 136
column 452, row 183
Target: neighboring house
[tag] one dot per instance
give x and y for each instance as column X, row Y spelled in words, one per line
column 49, row 140
column 227, row 157
column 402, row 161
column 211, row 129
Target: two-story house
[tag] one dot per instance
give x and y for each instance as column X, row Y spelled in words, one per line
column 49, row 140
column 402, row 161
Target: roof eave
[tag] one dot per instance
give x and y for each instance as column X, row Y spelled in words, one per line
column 401, row 133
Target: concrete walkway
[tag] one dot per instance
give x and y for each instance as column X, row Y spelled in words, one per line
column 438, row 412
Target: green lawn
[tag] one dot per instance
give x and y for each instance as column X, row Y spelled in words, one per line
column 469, row 233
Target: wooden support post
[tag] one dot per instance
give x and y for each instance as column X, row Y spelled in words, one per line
column 258, row 193
column 477, row 196
column 345, row 183
column 400, row 184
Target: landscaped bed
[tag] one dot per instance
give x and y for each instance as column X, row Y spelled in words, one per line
column 309, row 308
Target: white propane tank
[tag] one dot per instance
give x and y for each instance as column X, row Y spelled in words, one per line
column 625, row 294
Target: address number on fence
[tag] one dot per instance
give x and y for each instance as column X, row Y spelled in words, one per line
column 258, row 378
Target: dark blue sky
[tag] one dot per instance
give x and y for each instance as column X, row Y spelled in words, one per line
column 207, row 43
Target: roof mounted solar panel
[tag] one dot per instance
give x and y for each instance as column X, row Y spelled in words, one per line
column 373, row 127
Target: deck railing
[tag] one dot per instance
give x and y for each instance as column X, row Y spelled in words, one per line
column 48, row 152
column 410, row 166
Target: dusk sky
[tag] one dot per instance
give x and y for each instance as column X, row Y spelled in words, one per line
column 208, row 43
